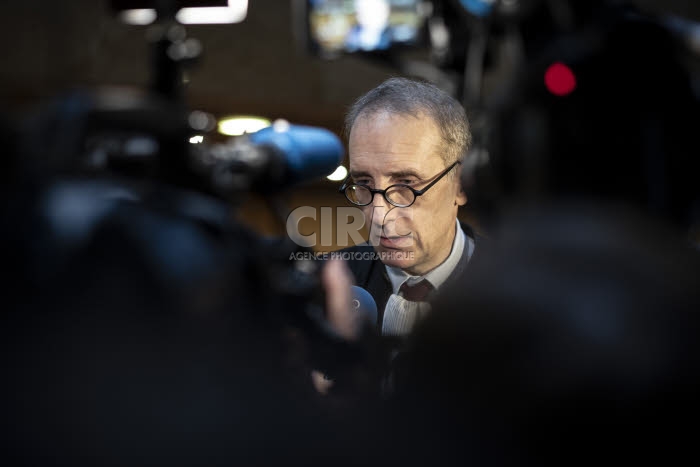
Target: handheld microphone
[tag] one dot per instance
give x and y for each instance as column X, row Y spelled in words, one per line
column 363, row 318
column 277, row 157
column 306, row 152
column 364, row 305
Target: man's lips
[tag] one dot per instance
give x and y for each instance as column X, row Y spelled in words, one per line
column 394, row 242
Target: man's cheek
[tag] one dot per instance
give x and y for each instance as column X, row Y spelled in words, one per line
column 404, row 227
column 403, row 222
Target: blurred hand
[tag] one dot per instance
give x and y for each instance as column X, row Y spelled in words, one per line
column 336, row 280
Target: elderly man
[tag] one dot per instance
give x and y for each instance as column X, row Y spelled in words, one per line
column 406, row 142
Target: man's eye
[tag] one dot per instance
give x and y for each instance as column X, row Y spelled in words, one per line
column 407, row 181
column 361, row 182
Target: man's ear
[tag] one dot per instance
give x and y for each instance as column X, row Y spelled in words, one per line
column 461, row 198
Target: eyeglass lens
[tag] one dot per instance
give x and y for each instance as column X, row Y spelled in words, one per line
column 397, row 195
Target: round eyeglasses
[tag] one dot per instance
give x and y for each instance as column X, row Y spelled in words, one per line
column 399, row 195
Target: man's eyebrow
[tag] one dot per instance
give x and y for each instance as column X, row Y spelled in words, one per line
column 408, row 173
column 359, row 174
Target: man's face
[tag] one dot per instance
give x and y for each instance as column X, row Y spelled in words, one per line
column 387, row 149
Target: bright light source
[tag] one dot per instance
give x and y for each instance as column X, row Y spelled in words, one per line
column 339, row 174
column 140, row 17
column 197, row 139
column 236, row 126
column 235, row 12
column 559, row 79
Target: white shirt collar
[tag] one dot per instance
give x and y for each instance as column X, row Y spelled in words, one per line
column 442, row 272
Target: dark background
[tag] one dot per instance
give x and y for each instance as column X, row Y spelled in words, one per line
column 252, row 67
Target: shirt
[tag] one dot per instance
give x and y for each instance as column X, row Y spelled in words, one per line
column 401, row 315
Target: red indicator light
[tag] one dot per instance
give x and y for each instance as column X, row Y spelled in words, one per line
column 559, row 79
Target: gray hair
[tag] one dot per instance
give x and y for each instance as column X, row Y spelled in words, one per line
column 407, row 97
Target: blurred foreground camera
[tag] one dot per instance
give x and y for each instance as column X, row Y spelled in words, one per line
column 146, row 325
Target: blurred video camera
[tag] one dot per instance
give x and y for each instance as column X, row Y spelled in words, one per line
column 114, row 173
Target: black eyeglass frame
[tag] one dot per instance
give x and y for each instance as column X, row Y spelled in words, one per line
column 373, row 191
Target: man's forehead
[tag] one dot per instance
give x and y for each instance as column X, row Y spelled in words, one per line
column 392, row 130
column 417, row 165
column 391, row 136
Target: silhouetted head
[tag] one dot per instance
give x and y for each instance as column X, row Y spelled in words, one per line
column 574, row 339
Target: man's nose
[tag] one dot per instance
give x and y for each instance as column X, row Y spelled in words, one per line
column 380, row 207
column 379, row 201
column 375, row 213
column 378, row 212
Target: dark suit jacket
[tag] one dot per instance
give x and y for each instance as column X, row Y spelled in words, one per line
column 371, row 275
